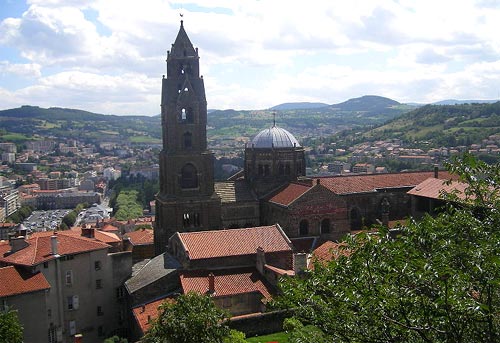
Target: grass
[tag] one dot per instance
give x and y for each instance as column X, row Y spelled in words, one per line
column 281, row 337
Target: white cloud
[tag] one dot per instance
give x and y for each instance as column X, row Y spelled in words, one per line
column 109, row 55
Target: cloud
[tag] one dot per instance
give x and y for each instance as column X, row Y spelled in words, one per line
column 27, row 70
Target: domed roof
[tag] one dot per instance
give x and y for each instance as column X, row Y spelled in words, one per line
column 274, row 137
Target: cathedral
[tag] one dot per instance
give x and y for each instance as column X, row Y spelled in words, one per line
column 272, row 188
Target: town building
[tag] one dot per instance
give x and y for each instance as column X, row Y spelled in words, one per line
column 81, row 281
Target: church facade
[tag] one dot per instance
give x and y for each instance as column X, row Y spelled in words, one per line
column 272, row 188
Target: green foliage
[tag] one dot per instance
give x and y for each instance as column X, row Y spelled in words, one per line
column 11, row 330
column 20, row 215
column 115, row 339
column 438, row 281
column 235, row 336
column 191, row 318
column 70, row 218
column 127, row 206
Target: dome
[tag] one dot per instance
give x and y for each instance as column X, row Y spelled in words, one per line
column 274, row 137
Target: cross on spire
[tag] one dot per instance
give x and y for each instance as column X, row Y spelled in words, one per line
column 274, row 119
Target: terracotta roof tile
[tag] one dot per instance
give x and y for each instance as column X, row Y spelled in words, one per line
column 101, row 236
column 227, row 282
column 109, row 227
column 329, row 251
column 234, row 242
column 14, row 282
column 433, row 188
column 372, row 182
column 39, row 248
column 146, row 313
column 289, row 194
column 140, row 237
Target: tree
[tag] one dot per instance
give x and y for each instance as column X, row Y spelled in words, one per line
column 11, row 330
column 438, row 281
column 191, row 318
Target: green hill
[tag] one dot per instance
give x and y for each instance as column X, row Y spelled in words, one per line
column 442, row 125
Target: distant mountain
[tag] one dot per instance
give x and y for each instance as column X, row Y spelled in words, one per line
column 288, row 106
column 458, row 102
column 367, row 103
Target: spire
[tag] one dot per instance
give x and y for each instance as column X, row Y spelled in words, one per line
column 182, row 46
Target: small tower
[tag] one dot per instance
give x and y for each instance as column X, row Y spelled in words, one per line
column 186, row 201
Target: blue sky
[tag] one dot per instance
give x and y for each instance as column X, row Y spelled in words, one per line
column 108, row 56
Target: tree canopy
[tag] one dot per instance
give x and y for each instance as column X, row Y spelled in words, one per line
column 11, row 330
column 437, row 281
column 191, row 318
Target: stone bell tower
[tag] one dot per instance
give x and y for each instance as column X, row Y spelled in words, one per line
column 186, row 201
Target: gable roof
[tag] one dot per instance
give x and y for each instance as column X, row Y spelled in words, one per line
column 290, row 193
column 39, row 248
column 154, row 270
column 105, row 237
column 433, row 188
column 227, row 282
column 371, row 182
column 140, row 237
column 234, row 242
column 13, row 282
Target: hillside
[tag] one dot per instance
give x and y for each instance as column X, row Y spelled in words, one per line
column 368, row 103
column 442, row 125
column 298, row 106
column 28, row 121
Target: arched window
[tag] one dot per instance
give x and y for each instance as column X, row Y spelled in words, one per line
column 189, row 176
column 189, row 115
column 325, row 225
column 355, row 217
column 303, row 227
column 183, row 114
column 188, row 140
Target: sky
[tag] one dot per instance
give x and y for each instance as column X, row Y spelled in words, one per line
column 108, row 56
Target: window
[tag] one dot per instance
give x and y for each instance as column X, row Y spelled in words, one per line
column 97, row 265
column 325, row 225
column 98, row 284
column 99, row 311
column 52, row 337
column 120, row 293
column 189, row 176
column 73, row 302
column 69, row 278
column 49, row 313
column 186, row 220
column 72, row 327
column 303, row 227
column 3, row 305
column 45, row 265
column 183, row 114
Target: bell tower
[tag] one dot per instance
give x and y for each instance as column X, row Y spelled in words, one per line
column 186, row 200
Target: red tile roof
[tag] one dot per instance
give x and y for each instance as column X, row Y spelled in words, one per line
column 146, row 313
column 289, row 194
column 109, row 227
column 140, row 237
column 371, row 182
column 234, row 242
column 329, row 251
column 433, row 188
column 39, row 248
column 227, row 282
column 101, row 236
column 12, row 282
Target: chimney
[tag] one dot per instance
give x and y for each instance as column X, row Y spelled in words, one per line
column 88, row 232
column 78, row 338
column 17, row 243
column 260, row 260
column 53, row 245
column 211, row 284
column 436, row 172
column 299, row 263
